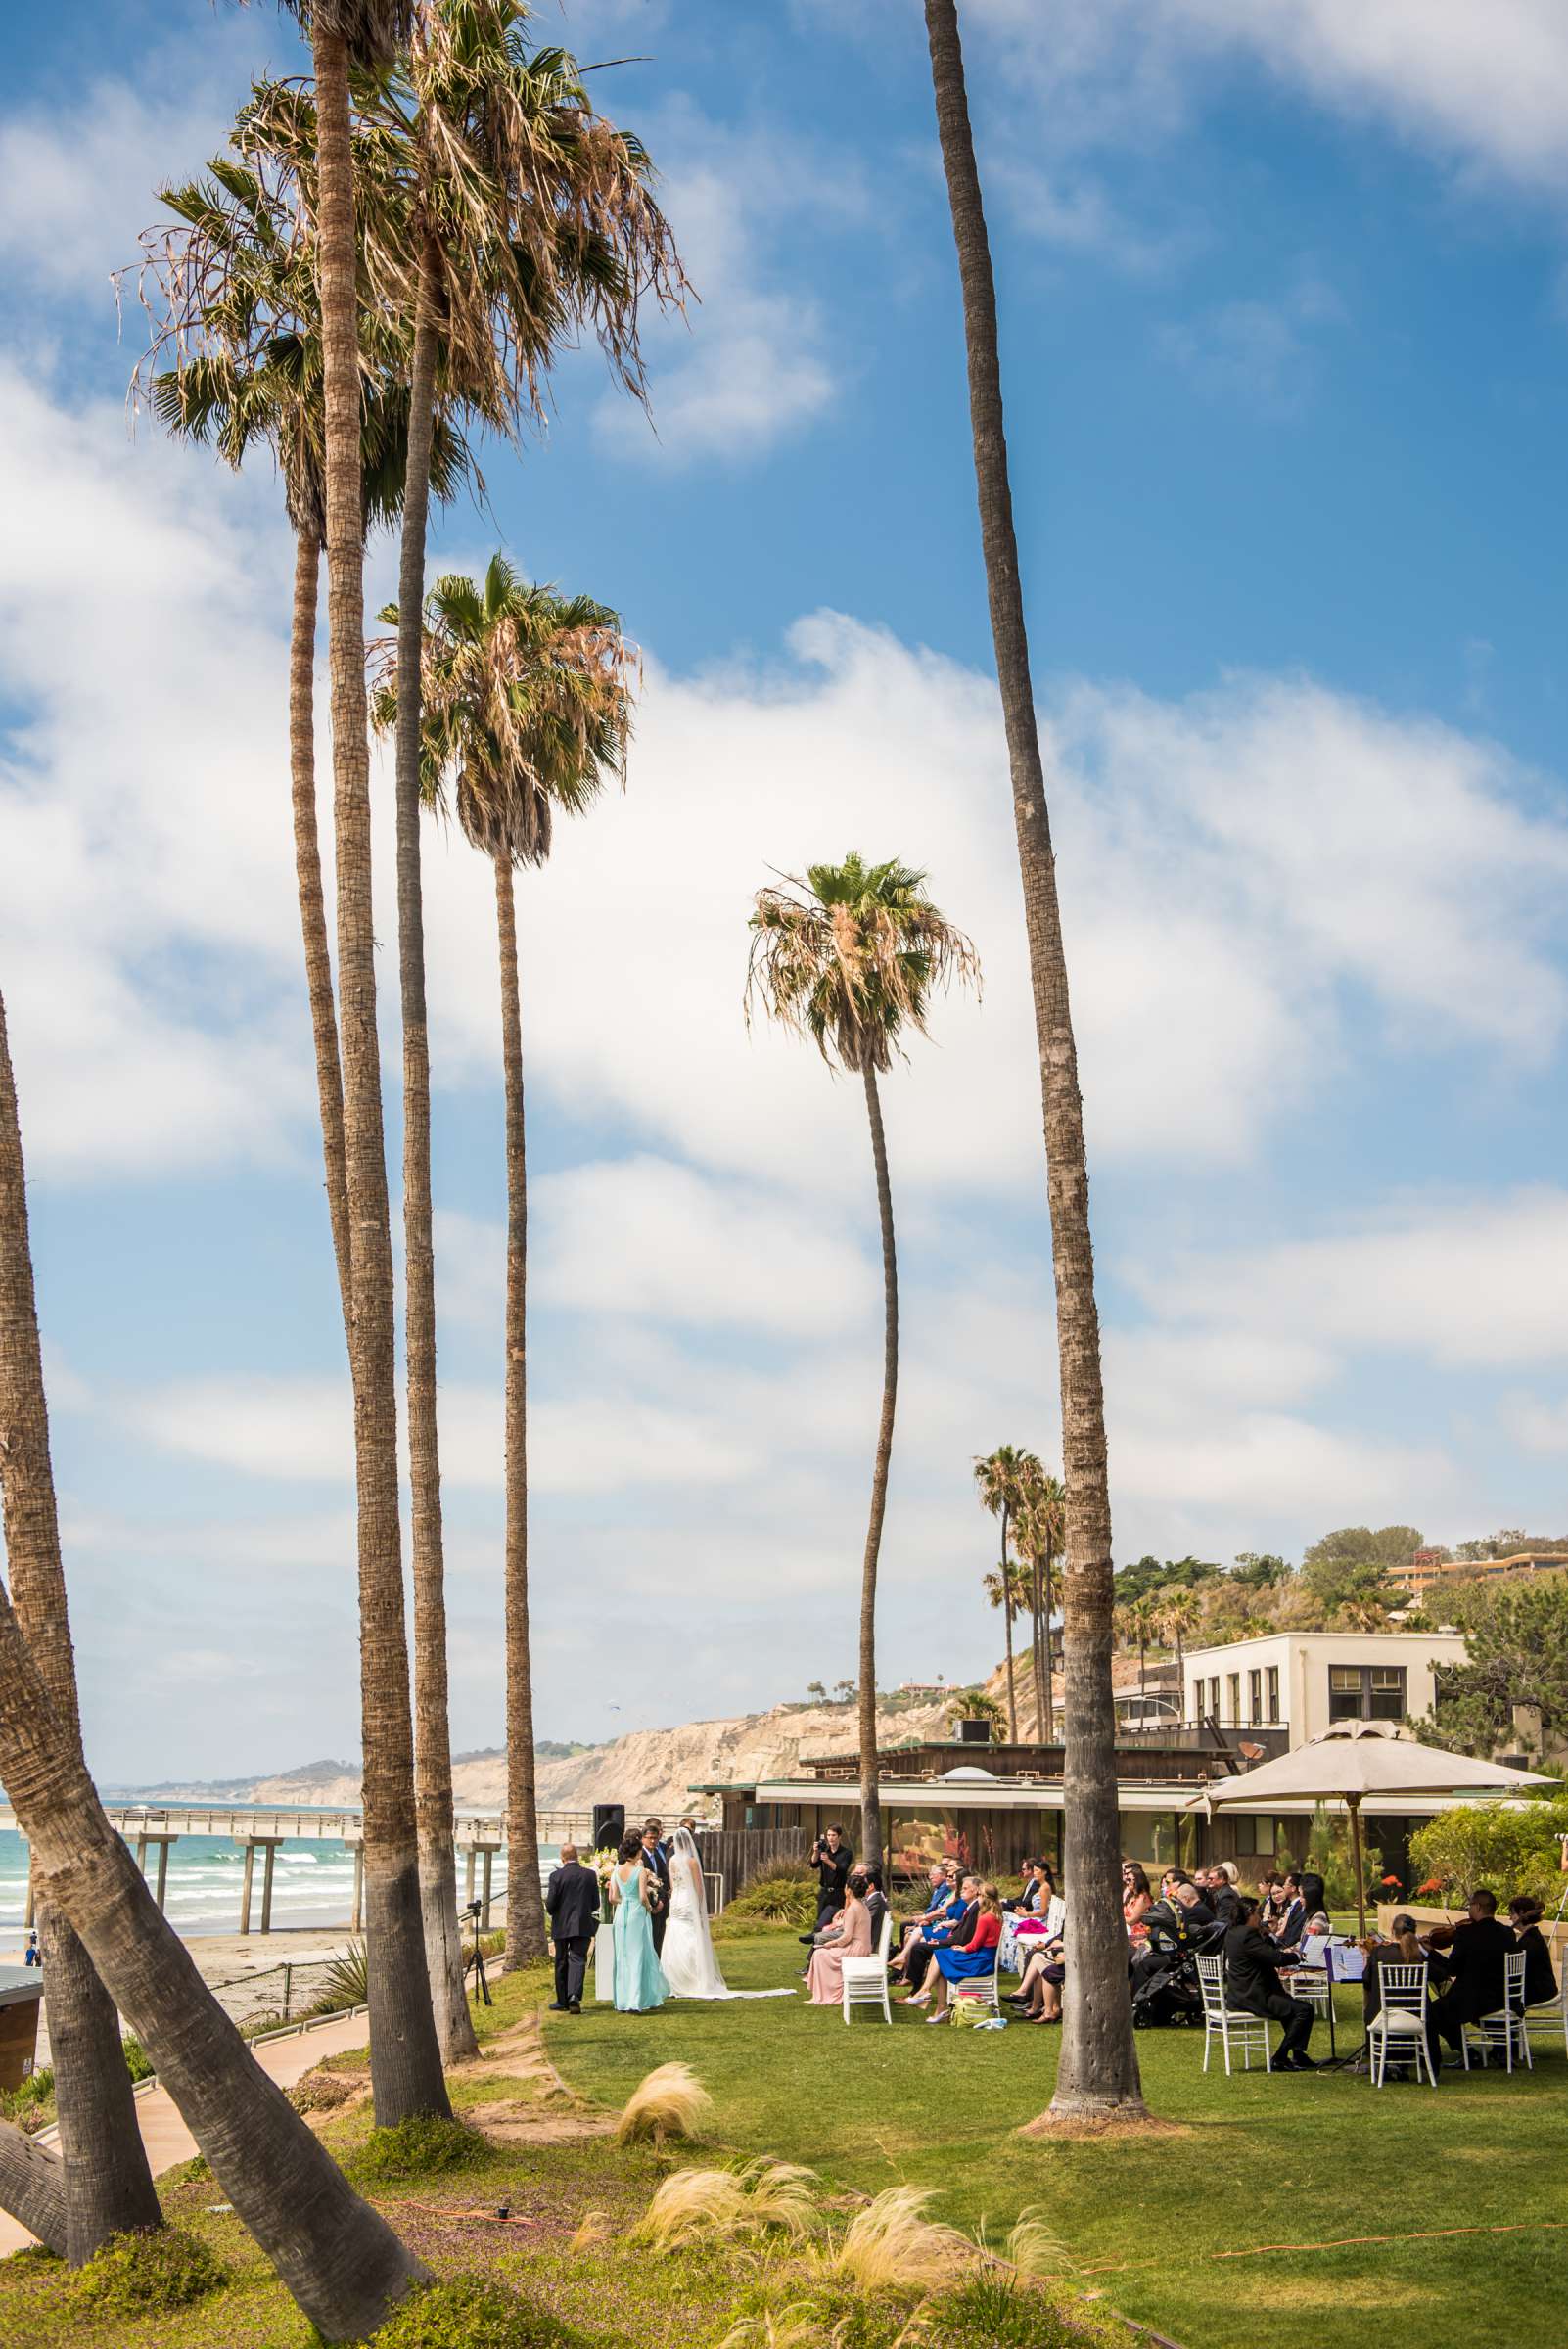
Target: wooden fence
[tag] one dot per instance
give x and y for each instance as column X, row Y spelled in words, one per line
column 738, row 1854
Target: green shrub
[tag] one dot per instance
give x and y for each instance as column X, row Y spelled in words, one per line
column 198, row 2171
column 1507, row 1850
column 138, row 2274
column 473, row 2312
column 785, row 1896
column 421, row 2147
column 138, row 2063
column 31, row 2106
column 346, row 1981
column 995, row 2310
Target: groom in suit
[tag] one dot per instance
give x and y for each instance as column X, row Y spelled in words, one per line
column 571, row 1904
column 656, row 1860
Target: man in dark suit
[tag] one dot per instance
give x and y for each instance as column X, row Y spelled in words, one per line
column 1476, row 1951
column 1253, row 1965
column 656, row 1860
column 571, row 1904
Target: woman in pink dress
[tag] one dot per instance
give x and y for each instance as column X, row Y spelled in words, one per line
column 824, row 1979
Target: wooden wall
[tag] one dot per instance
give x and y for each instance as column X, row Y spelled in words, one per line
column 738, row 1854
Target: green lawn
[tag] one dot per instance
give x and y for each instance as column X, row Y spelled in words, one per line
column 1290, row 2161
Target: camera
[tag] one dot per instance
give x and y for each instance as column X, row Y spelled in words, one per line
column 472, row 1909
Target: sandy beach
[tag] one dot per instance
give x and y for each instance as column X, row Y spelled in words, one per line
column 247, row 1970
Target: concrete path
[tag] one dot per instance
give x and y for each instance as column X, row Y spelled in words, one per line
column 165, row 2136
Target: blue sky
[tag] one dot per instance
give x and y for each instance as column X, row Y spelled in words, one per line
column 1285, row 332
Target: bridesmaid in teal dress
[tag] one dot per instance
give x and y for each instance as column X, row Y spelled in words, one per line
column 638, row 1975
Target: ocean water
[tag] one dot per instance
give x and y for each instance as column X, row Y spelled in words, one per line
column 312, row 1884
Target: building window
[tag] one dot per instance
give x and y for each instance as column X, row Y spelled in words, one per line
column 1197, row 1700
column 1233, row 1687
column 1254, row 1697
column 1367, row 1692
column 1213, row 1696
column 1273, row 1693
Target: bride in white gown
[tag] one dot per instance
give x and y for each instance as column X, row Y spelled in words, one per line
column 690, row 1967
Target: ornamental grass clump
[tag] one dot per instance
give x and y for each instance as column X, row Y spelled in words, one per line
column 786, row 1896
column 426, row 2145
column 670, row 2103
column 143, row 2274
column 473, row 2312
column 893, row 2247
column 760, row 2199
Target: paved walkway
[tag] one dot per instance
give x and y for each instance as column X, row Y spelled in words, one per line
column 164, row 2134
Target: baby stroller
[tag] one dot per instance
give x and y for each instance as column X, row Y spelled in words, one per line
column 1165, row 1990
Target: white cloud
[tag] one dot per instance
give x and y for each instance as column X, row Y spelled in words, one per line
column 1483, row 87
column 1263, row 353
column 1536, row 1425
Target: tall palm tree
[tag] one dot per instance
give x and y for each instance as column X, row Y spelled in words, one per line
column 525, row 702
column 334, row 2253
column 1042, row 1535
column 850, row 956
column 531, row 218
column 242, row 322
column 1181, row 1611
column 1098, row 2071
column 107, row 2187
column 999, row 1482
column 405, row 2057
column 1007, row 1587
column 1139, row 1623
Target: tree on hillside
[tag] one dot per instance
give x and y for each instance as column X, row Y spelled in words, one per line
column 1260, row 1570
column 1098, row 2071
column 1516, row 1635
column 526, row 713
column 1177, row 1613
column 850, row 955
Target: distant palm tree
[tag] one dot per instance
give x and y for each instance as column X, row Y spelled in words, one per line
column 1139, row 1624
column 1000, row 1488
column 336, row 2254
column 1006, row 1586
column 526, row 710
column 1098, row 2071
column 1181, row 1611
column 850, row 956
column 1042, row 1536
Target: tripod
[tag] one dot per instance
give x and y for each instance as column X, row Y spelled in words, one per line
column 476, row 1964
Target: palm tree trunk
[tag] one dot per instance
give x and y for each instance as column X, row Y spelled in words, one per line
column 870, row 1794
column 1037, row 1654
column 312, row 897
column 405, row 2062
column 108, row 2186
column 524, row 1907
column 1047, row 1603
column 32, row 2188
column 1098, row 2070
column 336, row 2254
column 1008, row 1633
column 433, row 1745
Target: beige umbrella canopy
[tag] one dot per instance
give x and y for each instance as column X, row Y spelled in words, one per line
column 1358, row 1758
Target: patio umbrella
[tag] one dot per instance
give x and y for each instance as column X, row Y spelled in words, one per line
column 1358, row 1758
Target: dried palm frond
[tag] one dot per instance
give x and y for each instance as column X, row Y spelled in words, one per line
column 891, row 2245
column 671, row 2102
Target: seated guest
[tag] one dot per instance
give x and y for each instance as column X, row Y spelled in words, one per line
column 1136, row 1897
column 1196, row 1909
column 1253, row 1965
column 1403, row 1950
column 1223, row 1896
column 1541, row 1981
column 972, row 1952
column 951, row 1934
column 849, row 1936
column 876, row 1900
column 1040, row 1992
column 1314, row 1891
column 1278, row 1910
column 1475, row 1951
column 1291, row 1922
column 1026, row 1899
column 943, row 1905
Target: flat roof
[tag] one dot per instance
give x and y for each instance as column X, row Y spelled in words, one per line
column 1139, row 1794
column 19, row 1983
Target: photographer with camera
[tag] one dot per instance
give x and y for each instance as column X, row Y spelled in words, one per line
column 832, row 1858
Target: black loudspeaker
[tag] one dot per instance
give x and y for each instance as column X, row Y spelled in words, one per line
column 609, row 1826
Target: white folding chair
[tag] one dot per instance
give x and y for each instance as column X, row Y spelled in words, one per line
column 1552, row 2015
column 1248, row 2034
column 1505, row 2029
column 981, row 1988
column 1399, row 2022
column 865, row 1979
column 1310, row 1984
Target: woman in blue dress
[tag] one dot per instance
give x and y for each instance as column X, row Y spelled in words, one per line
column 639, row 1978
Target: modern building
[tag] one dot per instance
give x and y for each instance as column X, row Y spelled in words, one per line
column 1430, row 1571
column 1299, row 1682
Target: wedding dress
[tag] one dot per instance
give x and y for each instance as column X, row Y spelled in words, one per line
column 690, row 1967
